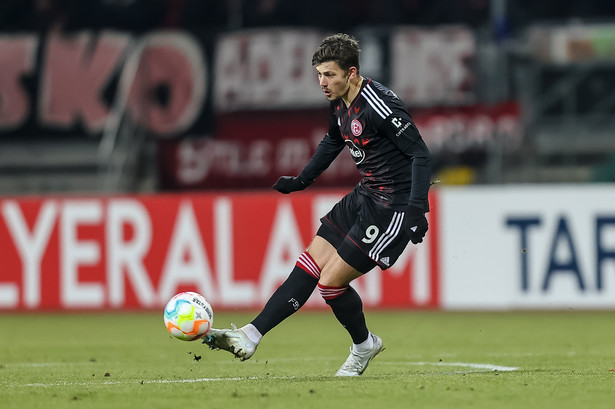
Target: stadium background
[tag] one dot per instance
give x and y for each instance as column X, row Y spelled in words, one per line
column 139, row 141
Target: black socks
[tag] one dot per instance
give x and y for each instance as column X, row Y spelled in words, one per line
column 348, row 309
column 287, row 299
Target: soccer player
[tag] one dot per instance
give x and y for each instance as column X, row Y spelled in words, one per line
column 370, row 226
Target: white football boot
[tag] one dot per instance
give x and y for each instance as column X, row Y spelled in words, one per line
column 233, row 340
column 357, row 362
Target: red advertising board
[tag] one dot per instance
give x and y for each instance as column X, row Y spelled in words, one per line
column 135, row 252
column 253, row 149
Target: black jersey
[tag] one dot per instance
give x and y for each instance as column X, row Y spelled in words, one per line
column 384, row 143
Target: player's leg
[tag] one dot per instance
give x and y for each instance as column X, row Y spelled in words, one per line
column 285, row 301
column 290, row 296
column 377, row 238
column 346, row 304
column 334, row 287
column 294, row 292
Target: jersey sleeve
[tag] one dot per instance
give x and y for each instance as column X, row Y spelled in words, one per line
column 328, row 149
column 399, row 127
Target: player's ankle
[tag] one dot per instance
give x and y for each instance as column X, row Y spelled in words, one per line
column 364, row 346
column 253, row 333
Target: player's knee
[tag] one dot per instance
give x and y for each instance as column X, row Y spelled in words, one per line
column 321, row 251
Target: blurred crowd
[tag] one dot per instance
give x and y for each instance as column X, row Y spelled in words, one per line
column 143, row 15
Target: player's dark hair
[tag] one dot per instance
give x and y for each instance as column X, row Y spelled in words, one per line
column 341, row 48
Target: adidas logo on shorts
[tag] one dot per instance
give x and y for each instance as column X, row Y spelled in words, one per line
column 385, row 261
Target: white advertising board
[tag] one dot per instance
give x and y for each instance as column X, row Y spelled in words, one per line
column 531, row 247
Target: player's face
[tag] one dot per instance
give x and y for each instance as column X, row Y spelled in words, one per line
column 333, row 80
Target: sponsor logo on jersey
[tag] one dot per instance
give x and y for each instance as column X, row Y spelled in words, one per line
column 398, row 123
column 356, row 128
column 357, row 153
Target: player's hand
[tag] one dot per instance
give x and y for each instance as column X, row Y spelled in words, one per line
column 288, row 184
column 418, row 224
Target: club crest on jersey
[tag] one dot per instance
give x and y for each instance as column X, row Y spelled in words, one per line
column 356, row 128
column 357, row 153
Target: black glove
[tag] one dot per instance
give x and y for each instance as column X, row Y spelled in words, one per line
column 418, row 224
column 288, row 184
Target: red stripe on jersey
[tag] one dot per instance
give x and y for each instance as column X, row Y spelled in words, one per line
column 307, row 264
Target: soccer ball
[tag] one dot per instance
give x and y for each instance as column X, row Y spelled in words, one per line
column 188, row 316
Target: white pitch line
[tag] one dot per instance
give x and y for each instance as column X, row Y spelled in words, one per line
column 475, row 367
column 154, row 381
column 486, row 367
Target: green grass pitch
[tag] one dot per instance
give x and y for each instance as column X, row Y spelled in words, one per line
column 432, row 360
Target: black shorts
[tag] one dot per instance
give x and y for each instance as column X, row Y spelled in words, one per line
column 364, row 232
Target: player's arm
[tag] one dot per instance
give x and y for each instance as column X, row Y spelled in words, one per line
column 391, row 118
column 400, row 128
column 326, row 152
column 402, row 131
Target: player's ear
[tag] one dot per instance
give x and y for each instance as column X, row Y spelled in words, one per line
column 352, row 72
